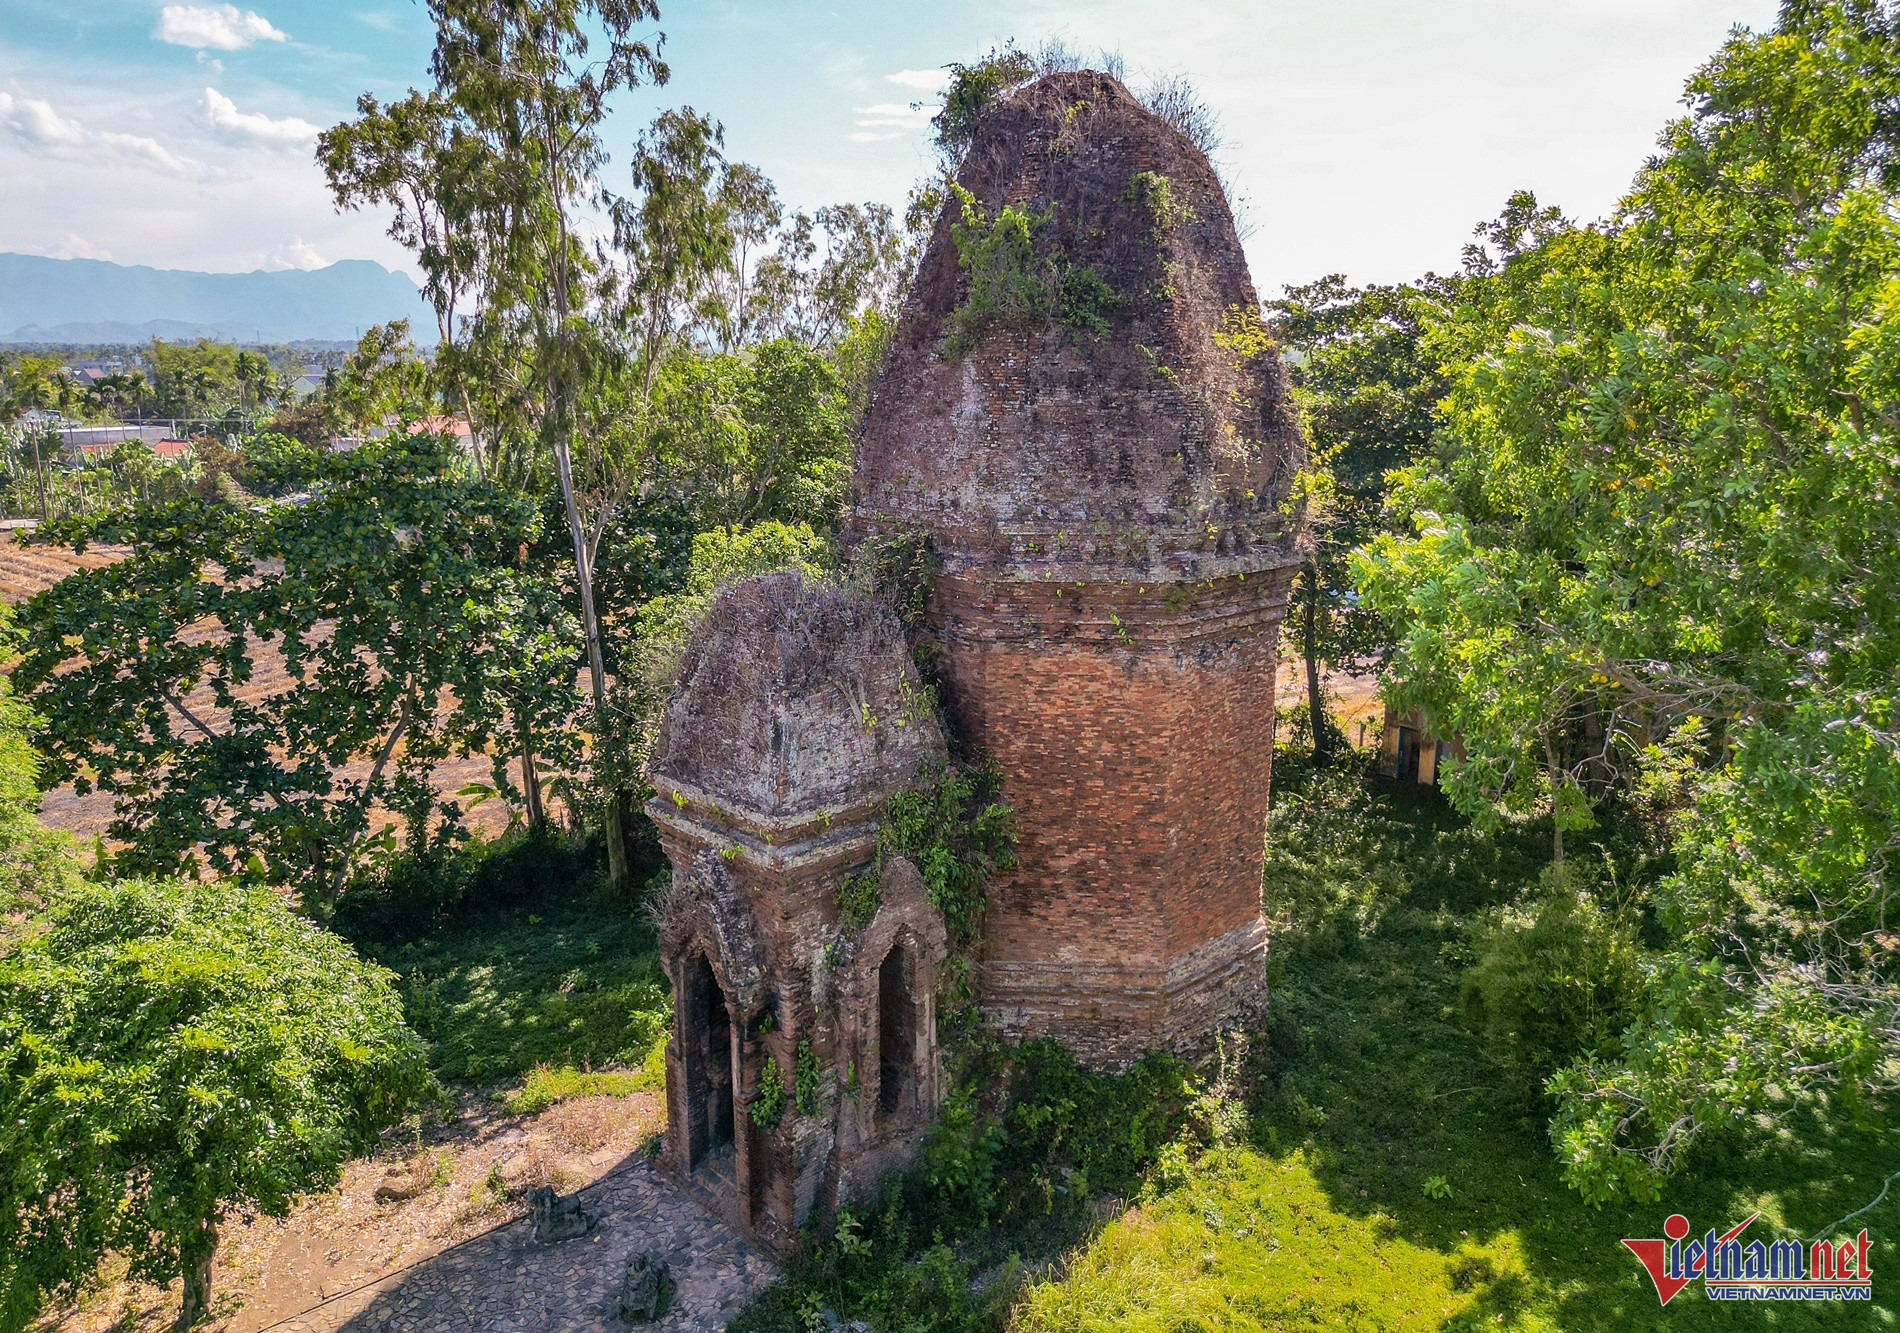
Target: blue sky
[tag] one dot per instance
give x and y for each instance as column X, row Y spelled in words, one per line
column 1366, row 136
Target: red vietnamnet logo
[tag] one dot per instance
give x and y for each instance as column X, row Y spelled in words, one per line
column 1757, row 1271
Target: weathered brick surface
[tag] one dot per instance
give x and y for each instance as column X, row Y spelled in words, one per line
column 1137, row 740
column 794, row 718
column 1113, row 511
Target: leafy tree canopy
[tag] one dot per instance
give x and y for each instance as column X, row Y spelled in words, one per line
column 1659, row 559
column 171, row 1053
column 1369, row 390
column 388, row 585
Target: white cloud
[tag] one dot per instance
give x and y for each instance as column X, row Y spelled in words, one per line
column 223, row 114
column 930, row 80
column 892, row 116
column 220, row 27
column 37, row 126
column 141, row 151
column 76, row 246
column 379, row 18
column 294, row 254
column 865, row 136
column 898, row 111
column 41, row 130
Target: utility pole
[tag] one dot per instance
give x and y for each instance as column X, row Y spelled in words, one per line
column 39, row 471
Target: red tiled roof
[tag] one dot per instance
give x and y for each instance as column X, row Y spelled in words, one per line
column 455, row 426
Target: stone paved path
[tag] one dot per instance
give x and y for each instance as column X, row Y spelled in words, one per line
column 504, row 1281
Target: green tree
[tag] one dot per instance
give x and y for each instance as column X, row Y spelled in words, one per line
column 172, row 1053
column 382, row 385
column 401, row 155
column 510, row 149
column 747, row 439
column 35, row 862
column 1369, row 390
column 388, row 589
column 1659, row 554
column 663, row 626
column 197, row 381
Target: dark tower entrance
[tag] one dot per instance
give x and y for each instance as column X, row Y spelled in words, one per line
column 708, row 1063
column 896, row 1030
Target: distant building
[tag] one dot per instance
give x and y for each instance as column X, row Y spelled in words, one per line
column 455, row 426
column 1410, row 753
column 96, row 440
column 307, row 383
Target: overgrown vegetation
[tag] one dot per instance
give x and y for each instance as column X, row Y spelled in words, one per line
column 956, row 830
column 1028, row 1152
column 569, row 983
column 1654, row 560
column 1397, row 1170
column 1013, row 280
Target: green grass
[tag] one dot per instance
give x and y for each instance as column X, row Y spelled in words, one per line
column 573, row 986
column 1373, row 1088
column 545, row 1085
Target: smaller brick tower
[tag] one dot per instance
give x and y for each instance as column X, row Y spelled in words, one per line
column 803, row 1061
column 1106, row 474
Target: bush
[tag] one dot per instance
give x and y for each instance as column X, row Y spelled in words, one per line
column 1334, row 864
column 1556, row 975
column 172, row 1055
column 547, row 1085
column 411, row 894
column 1003, row 1173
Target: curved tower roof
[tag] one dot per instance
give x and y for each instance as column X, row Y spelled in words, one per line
column 1121, row 414
column 795, row 697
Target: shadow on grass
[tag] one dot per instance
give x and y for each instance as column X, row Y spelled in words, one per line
column 1373, row 1083
column 574, row 983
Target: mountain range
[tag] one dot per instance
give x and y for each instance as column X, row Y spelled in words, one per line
column 93, row 301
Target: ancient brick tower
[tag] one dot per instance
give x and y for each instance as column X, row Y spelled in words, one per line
column 1105, row 474
column 803, row 1062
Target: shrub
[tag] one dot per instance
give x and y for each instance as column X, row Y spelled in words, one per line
column 411, row 894
column 1007, row 279
column 1000, row 1174
column 170, row 1055
column 768, row 1107
column 1556, row 975
column 548, row 1086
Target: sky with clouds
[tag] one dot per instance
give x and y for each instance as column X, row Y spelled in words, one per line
column 1364, row 136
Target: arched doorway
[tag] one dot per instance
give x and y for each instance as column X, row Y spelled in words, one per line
column 896, row 1030
column 707, row 1033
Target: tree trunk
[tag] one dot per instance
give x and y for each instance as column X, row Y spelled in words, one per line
column 197, row 1254
column 531, row 786
column 39, row 475
column 596, row 664
column 1556, row 824
column 1315, row 701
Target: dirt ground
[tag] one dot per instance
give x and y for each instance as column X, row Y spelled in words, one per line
column 1352, row 700
column 413, row 1200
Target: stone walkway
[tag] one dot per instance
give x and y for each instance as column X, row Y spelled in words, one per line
column 505, row 1281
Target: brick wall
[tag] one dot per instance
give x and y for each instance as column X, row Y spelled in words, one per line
column 1134, row 725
